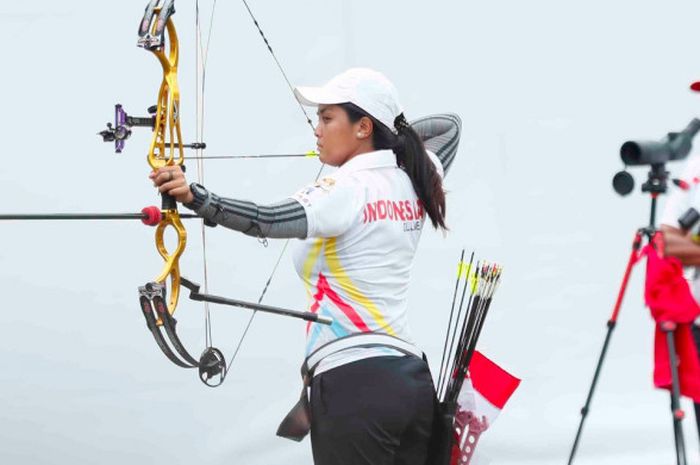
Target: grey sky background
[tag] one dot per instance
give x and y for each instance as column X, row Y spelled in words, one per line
column 547, row 91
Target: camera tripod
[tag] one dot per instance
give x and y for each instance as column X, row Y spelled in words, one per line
column 655, row 185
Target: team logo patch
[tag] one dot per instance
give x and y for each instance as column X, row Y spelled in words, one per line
column 305, row 196
column 326, row 184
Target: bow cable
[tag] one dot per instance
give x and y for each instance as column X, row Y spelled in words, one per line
column 318, row 175
column 279, row 65
column 202, row 58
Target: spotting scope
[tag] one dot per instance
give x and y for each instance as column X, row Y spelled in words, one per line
column 675, row 146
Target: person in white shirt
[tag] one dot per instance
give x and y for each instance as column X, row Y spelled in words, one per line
column 372, row 400
column 681, row 243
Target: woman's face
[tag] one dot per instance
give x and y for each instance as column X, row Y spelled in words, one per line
column 339, row 139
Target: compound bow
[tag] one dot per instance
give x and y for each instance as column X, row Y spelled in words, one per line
column 158, row 35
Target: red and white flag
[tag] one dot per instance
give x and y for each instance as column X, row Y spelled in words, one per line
column 485, row 391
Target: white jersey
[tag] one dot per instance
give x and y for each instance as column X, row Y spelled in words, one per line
column 364, row 223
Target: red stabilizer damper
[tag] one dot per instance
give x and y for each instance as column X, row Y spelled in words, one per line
column 695, row 86
column 152, row 216
column 678, row 414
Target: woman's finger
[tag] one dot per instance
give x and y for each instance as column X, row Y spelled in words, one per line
column 167, row 174
column 180, row 192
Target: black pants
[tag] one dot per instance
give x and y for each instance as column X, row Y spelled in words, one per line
column 376, row 411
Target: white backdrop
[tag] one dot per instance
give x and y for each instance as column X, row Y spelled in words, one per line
column 547, row 90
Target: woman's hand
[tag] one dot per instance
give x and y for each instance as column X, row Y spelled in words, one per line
column 171, row 180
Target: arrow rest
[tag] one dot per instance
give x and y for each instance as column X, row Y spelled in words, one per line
column 212, row 367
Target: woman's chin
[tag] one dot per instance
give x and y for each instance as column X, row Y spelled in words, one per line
column 324, row 159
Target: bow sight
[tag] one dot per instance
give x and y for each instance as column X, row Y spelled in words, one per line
column 120, row 131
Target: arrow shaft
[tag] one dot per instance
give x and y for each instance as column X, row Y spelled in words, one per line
column 79, row 216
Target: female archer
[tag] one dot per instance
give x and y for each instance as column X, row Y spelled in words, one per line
column 372, row 396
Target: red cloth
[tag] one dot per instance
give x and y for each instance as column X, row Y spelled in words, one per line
column 669, row 299
column 494, row 383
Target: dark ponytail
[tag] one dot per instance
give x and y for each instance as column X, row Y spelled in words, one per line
column 412, row 157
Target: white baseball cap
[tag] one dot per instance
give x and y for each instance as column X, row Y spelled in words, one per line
column 364, row 87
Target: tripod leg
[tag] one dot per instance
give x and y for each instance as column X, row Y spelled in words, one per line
column 634, row 256
column 697, row 415
column 589, row 398
column 696, row 336
column 669, row 330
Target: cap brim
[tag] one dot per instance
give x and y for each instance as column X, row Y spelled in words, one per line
column 315, row 96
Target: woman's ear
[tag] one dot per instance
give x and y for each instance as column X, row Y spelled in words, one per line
column 365, row 128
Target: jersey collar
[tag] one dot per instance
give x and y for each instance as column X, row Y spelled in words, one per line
column 370, row 160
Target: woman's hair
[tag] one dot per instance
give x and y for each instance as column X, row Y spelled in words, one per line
column 412, row 157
